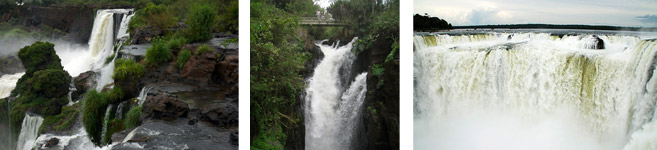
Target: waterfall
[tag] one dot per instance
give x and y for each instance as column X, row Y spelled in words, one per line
column 101, row 45
column 532, row 91
column 8, row 83
column 29, row 132
column 331, row 111
column 143, row 94
column 108, row 116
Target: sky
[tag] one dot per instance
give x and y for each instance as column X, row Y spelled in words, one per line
column 630, row 13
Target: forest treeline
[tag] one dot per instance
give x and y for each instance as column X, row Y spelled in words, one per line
column 428, row 23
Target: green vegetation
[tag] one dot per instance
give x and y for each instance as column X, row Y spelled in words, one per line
column 158, row 54
column 277, row 61
column 428, row 23
column 39, row 56
column 109, row 58
column 127, row 68
column 200, row 20
column 183, row 56
column 175, row 43
column 94, row 106
column 155, row 16
column 62, row 121
column 133, row 117
column 203, row 49
column 43, row 88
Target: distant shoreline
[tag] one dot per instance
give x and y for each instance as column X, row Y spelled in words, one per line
column 554, row 26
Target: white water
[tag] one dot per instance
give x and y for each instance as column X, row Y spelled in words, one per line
column 8, row 83
column 29, row 132
column 143, row 94
column 101, row 45
column 533, row 91
column 331, row 111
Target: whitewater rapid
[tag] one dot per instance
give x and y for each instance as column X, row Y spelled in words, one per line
column 532, row 91
column 332, row 110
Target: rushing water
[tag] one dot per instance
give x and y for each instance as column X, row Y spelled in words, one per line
column 534, row 91
column 8, row 83
column 332, row 109
column 29, row 132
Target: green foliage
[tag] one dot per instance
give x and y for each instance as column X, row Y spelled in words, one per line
column 277, row 60
column 377, row 70
column 62, row 121
column 155, row 16
column 202, row 49
column 200, row 21
column 158, row 53
column 183, row 56
column 93, row 108
column 109, row 59
column 175, row 43
column 49, row 82
column 391, row 55
column 133, row 117
column 228, row 20
column 39, row 56
column 127, row 68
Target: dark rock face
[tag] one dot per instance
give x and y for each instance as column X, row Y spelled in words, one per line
column 220, row 114
column 10, row 65
column 52, row 142
column 597, row 43
column 83, row 82
column 143, row 35
column 164, row 106
column 77, row 21
column 200, row 67
column 177, row 135
column 227, row 69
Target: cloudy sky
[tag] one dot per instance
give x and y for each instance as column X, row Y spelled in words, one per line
column 593, row 12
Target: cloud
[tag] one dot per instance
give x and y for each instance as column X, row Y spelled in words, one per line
column 649, row 19
column 488, row 16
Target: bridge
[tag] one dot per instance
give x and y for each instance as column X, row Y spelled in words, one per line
column 314, row 21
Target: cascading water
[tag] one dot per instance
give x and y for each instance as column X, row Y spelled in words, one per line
column 533, row 91
column 29, row 131
column 331, row 111
column 106, row 120
column 143, row 94
column 8, row 83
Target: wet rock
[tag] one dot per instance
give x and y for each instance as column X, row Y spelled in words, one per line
column 597, row 43
column 228, row 70
column 52, row 142
column 164, row 106
column 234, row 138
column 143, row 35
column 176, row 135
column 10, row 65
column 200, row 67
column 84, row 82
column 220, row 114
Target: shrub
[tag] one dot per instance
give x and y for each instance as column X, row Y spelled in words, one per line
column 200, row 20
column 156, row 16
column 63, row 120
column 39, row 56
column 52, row 83
column 127, row 68
column 158, row 53
column 175, row 43
column 132, row 118
column 202, row 49
column 182, row 58
column 109, row 58
column 93, row 108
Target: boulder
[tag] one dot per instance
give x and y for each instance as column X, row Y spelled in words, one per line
column 200, row 67
column 220, row 114
column 52, row 142
column 164, row 106
column 228, row 69
column 596, row 43
column 10, row 65
column 176, row 134
column 83, row 82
